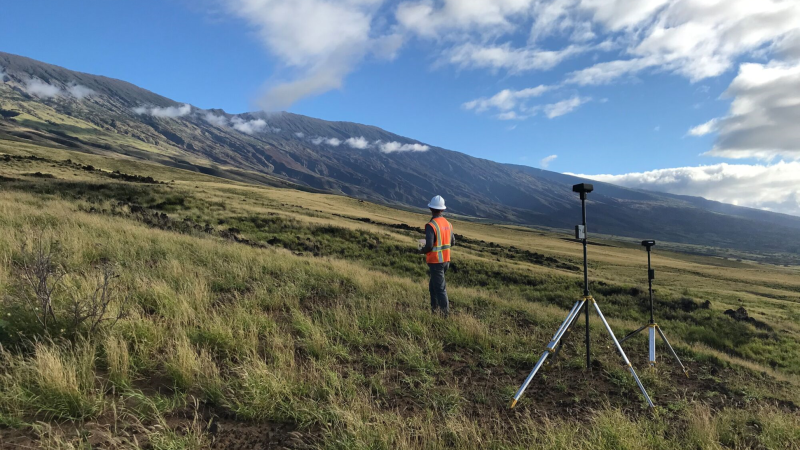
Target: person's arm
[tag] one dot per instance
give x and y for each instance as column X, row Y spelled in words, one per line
column 430, row 239
column 452, row 237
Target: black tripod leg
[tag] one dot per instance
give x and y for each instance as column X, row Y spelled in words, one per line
column 675, row 355
column 632, row 333
column 563, row 339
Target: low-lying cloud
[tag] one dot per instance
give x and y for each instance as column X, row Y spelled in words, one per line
column 773, row 187
column 171, row 112
column 213, row 119
column 333, row 142
column 246, row 126
column 80, row 92
column 43, row 89
column 392, row 147
column 361, row 143
column 249, row 126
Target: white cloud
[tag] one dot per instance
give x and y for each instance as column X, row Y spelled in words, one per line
column 512, row 105
column 557, row 109
column 774, row 187
column 606, row 72
column 393, row 147
column 510, row 115
column 694, row 38
column 483, row 16
column 320, row 40
column 79, row 91
column 545, row 162
column 213, row 119
column 359, row 142
column 333, row 142
column 704, row 128
column 508, row 102
column 41, row 89
column 167, row 112
column 514, row 60
column 249, row 126
column 2, row 74
column 764, row 114
column 362, row 143
column 789, row 46
column 300, row 135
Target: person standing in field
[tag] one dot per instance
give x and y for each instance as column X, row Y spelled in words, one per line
column 438, row 240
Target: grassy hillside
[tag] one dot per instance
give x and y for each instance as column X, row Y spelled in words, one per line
column 259, row 317
column 360, row 161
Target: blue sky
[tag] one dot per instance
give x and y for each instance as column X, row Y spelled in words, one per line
column 639, row 75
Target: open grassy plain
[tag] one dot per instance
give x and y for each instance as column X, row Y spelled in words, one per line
column 258, row 317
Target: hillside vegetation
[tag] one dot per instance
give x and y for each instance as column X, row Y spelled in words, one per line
column 362, row 161
column 246, row 316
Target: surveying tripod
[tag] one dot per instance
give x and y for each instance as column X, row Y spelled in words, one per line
column 583, row 304
column 652, row 327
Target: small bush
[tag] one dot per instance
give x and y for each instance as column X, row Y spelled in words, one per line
column 43, row 308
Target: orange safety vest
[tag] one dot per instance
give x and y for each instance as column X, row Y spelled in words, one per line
column 441, row 249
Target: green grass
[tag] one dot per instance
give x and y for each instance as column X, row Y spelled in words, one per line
column 268, row 307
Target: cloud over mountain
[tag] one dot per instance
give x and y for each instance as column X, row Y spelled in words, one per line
column 41, row 89
column 774, row 187
column 361, row 143
column 249, row 126
column 80, row 92
column 171, row 112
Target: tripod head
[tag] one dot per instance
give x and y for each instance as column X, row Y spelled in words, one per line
column 651, row 274
column 582, row 189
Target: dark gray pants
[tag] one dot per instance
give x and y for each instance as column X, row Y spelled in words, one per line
column 438, row 287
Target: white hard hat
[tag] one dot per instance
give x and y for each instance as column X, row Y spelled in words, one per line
column 437, row 203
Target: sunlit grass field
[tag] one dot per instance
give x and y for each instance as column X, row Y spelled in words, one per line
column 258, row 317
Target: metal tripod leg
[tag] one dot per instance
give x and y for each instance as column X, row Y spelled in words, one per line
column 675, row 355
column 566, row 336
column 622, row 353
column 632, row 334
column 576, row 309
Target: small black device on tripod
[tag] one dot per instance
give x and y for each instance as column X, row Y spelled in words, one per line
column 653, row 326
column 583, row 304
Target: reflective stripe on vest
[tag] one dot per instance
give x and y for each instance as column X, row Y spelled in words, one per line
column 440, row 253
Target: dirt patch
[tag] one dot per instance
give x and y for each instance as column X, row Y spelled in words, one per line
column 228, row 434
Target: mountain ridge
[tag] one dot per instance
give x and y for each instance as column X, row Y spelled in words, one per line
column 357, row 160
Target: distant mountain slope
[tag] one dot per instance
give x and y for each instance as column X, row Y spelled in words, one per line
column 45, row 103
